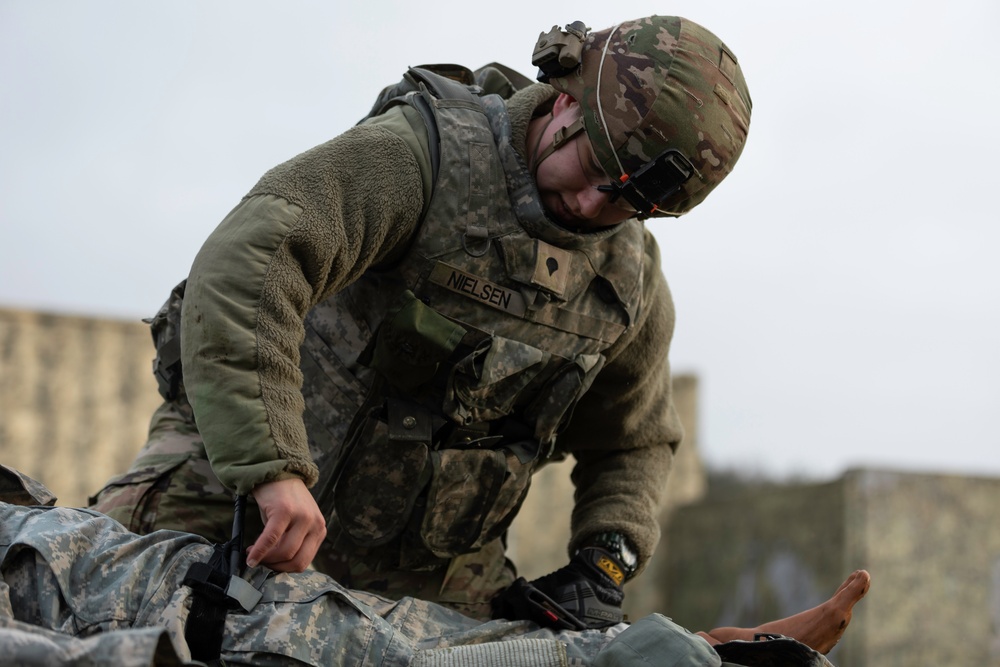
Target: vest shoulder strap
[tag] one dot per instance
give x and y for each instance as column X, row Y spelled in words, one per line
column 445, row 82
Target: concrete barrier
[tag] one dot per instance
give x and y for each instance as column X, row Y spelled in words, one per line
column 76, row 394
column 931, row 543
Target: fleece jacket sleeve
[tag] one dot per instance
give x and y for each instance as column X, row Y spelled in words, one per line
column 310, row 227
column 625, row 429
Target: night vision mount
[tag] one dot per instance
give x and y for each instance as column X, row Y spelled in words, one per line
column 558, row 51
column 653, row 183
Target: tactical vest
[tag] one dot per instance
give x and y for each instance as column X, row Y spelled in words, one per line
column 435, row 388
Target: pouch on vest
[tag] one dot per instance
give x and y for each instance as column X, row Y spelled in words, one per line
column 554, row 406
column 411, row 343
column 474, row 490
column 485, row 384
column 385, row 467
column 404, row 474
column 385, row 471
column 474, row 496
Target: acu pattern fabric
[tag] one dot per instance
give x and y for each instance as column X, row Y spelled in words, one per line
column 76, row 588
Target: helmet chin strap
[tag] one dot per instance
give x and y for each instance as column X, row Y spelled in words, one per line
column 561, row 136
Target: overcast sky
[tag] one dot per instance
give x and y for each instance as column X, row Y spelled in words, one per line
column 838, row 296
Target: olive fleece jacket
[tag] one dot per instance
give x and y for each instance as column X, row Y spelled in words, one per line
column 313, row 225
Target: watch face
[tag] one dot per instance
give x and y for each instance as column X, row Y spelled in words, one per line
column 618, row 544
column 628, row 557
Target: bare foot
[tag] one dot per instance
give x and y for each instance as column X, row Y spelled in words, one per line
column 819, row 628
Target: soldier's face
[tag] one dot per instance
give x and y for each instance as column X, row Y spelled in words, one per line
column 567, row 179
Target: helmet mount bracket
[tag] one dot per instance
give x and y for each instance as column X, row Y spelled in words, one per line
column 558, row 51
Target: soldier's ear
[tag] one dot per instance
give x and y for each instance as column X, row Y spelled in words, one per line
column 564, row 103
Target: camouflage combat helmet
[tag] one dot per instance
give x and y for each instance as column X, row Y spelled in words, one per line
column 664, row 103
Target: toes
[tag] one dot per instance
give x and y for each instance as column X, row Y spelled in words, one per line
column 852, row 590
column 863, row 582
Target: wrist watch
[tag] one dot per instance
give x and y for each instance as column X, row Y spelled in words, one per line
column 619, row 547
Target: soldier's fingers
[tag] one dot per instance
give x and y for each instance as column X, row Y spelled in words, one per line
column 294, row 527
column 289, row 555
column 270, row 538
column 287, row 550
column 298, row 545
column 310, row 545
column 301, row 541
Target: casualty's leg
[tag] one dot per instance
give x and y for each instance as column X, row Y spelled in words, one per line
column 127, row 590
column 820, row 628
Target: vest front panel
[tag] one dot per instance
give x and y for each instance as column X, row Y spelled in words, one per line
column 531, row 320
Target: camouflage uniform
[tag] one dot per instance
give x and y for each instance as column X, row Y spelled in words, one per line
column 76, row 588
column 476, row 369
column 387, row 321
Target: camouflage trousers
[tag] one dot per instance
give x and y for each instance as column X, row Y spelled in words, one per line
column 170, row 485
column 76, row 588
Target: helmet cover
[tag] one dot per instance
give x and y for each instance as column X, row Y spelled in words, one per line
column 659, row 83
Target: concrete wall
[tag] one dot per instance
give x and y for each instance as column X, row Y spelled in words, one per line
column 76, row 394
column 930, row 542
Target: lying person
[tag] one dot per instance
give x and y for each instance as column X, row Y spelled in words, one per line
column 77, row 588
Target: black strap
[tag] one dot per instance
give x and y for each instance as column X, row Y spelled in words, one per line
column 167, row 368
column 206, row 623
column 217, row 588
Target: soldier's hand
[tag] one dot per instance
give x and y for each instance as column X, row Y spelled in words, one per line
column 294, row 527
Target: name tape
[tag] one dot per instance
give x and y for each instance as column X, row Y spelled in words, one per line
column 480, row 289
